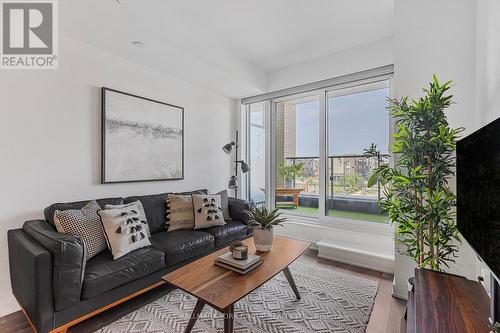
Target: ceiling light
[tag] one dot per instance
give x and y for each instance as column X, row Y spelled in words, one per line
column 137, row 44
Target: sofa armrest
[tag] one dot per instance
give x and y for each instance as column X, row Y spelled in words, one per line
column 237, row 207
column 68, row 261
column 31, row 279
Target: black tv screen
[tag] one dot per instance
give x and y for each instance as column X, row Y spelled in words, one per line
column 478, row 192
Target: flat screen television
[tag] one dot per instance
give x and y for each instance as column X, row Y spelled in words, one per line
column 478, row 193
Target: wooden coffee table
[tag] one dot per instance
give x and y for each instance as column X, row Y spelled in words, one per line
column 221, row 288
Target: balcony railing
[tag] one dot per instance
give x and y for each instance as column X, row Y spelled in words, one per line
column 347, row 175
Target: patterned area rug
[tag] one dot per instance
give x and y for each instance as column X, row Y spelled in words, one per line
column 331, row 302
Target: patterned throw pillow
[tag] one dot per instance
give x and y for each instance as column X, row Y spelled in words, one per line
column 207, row 211
column 84, row 223
column 141, row 212
column 181, row 212
column 125, row 229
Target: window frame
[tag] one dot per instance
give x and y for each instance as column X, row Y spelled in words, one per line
column 248, row 148
column 322, row 219
column 389, row 78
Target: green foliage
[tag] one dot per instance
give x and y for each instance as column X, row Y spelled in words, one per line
column 353, row 182
column 264, row 219
column 416, row 194
column 495, row 328
column 290, row 172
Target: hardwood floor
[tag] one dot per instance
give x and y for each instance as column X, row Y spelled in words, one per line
column 386, row 317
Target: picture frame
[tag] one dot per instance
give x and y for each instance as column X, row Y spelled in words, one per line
column 142, row 139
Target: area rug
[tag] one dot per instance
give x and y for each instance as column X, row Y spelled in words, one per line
column 331, row 302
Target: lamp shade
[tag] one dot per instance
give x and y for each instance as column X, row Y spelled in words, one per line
column 233, row 183
column 228, row 147
column 244, row 167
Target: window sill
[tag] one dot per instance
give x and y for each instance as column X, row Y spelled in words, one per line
column 360, row 243
column 335, row 223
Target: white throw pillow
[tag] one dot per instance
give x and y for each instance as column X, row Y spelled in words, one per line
column 83, row 223
column 124, row 229
column 207, row 211
column 142, row 213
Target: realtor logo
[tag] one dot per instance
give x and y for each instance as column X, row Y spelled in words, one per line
column 29, row 34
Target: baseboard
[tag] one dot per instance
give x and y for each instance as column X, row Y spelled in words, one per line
column 375, row 261
column 399, row 291
column 8, row 306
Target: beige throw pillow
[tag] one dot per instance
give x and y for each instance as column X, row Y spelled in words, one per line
column 208, row 211
column 181, row 212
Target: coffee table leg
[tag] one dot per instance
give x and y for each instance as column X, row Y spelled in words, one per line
column 229, row 319
column 289, row 277
column 194, row 316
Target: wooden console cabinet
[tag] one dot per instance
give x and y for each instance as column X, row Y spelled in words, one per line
column 448, row 303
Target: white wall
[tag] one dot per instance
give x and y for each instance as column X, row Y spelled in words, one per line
column 488, row 60
column 50, row 136
column 437, row 36
column 356, row 59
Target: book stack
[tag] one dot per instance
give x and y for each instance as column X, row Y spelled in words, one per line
column 239, row 266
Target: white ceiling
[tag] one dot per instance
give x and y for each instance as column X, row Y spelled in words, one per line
column 227, row 45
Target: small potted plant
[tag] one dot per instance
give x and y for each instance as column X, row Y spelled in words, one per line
column 263, row 221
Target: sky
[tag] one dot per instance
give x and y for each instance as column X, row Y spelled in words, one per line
column 354, row 122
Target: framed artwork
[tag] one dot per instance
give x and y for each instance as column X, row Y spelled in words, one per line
column 142, row 139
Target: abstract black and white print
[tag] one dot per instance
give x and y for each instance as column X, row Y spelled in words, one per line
column 142, row 139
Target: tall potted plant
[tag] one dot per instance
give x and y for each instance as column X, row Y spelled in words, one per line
column 417, row 195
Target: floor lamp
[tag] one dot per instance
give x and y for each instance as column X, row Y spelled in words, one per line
column 233, row 181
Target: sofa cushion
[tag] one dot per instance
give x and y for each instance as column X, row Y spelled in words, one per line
column 228, row 233
column 237, row 208
column 155, row 207
column 182, row 245
column 102, row 273
column 49, row 211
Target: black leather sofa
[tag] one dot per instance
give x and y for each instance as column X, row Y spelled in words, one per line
column 57, row 288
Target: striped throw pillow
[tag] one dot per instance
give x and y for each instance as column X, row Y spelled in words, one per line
column 181, row 212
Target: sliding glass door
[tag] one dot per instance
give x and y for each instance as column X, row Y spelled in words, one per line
column 357, row 117
column 296, row 150
column 257, row 152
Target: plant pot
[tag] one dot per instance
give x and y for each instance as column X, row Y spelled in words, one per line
column 289, row 183
column 263, row 239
